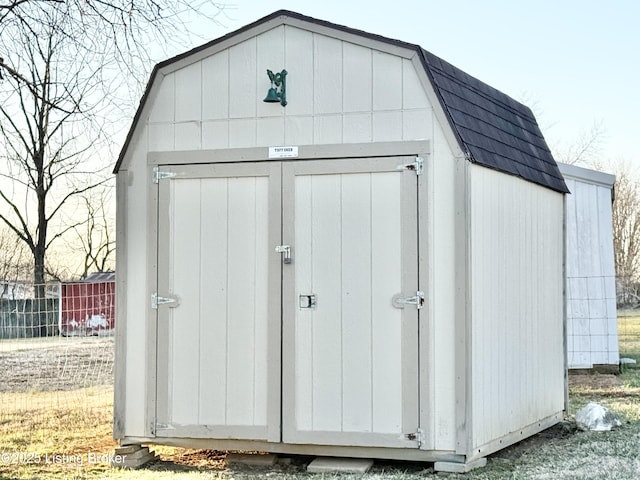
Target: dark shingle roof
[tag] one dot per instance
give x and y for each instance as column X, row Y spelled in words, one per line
column 492, row 129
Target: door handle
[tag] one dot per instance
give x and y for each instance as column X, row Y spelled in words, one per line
column 307, row 301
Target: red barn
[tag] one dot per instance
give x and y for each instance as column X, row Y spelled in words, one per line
column 88, row 307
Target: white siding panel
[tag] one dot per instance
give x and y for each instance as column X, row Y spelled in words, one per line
column 387, row 81
column 241, row 301
column 517, row 340
column 188, row 136
column 356, row 303
column 300, row 86
column 162, row 106
column 215, row 134
column 214, row 314
column 135, row 381
column 242, row 133
column 270, row 131
column 386, row 321
column 161, row 137
column 327, row 349
column 591, row 312
column 357, row 93
column 327, row 129
column 188, row 87
column 215, row 86
column 184, row 281
column 298, row 130
column 439, row 366
column 327, row 81
column 387, row 126
column 417, row 124
column 243, row 89
column 270, row 55
column 414, row 95
column 304, row 339
column 357, row 128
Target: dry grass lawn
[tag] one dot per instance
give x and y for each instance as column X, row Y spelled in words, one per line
column 67, row 435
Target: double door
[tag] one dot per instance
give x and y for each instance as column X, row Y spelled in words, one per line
column 288, row 302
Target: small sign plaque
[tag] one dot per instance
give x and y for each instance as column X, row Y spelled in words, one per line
column 283, row 152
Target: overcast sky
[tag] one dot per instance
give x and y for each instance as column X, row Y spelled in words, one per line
column 575, row 63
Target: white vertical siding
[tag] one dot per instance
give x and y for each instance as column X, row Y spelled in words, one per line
column 336, row 91
column 591, row 296
column 135, row 373
column 218, row 341
column 348, row 351
column 517, row 304
column 438, row 351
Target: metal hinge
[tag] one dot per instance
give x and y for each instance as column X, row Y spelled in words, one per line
column 417, row 166
column 398, row 301
column 157, row 300
column 417, row 436
column 160, row 175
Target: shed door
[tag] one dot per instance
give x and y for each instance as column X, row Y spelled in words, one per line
column 218, row 372
column 350, row 356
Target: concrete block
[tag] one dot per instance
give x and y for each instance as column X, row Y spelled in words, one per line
column 254, row 460
column 454, row 467
column 342, row 465
column 132, row 456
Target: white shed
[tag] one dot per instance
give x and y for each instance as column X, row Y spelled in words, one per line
column 592, row 328
column 368, row 265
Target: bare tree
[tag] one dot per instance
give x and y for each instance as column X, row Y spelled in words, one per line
column 15, row 264
column 585, row 149
column 65, row 65
column 626, row 234
column 95, row 236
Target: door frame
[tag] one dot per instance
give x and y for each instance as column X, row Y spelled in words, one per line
column 156, row 159
column 163, row 426
column 410, row 314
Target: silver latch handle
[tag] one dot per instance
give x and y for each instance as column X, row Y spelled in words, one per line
column 157, row 300
column 399, row 301
column 286, row 250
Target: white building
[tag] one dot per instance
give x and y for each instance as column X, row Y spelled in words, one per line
column 592, row 329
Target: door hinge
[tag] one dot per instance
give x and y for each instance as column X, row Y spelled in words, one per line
column 417, row 436
column 286, row 250
column 160, row 175
column 398, row 301
column 417, row 166
column 157, row 300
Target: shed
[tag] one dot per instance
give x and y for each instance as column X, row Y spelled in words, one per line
column 367, row 264
column 592, row 326
column 88, row 307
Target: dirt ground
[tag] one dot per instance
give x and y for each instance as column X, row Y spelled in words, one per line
column 595, row 381
column 56, row 363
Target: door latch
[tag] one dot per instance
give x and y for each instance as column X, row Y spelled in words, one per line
column 286, row 250
column 398, row 301
column 157, row 300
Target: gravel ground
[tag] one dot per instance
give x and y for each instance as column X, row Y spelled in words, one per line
column 55, row 363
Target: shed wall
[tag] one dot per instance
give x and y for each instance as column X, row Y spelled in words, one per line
column 338, row 92
column 592, row 332
column 517, row 305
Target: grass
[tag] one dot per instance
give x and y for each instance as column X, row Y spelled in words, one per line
column 67, row 435
column 629, row 334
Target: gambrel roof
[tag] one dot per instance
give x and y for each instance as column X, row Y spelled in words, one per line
column 492, row 129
